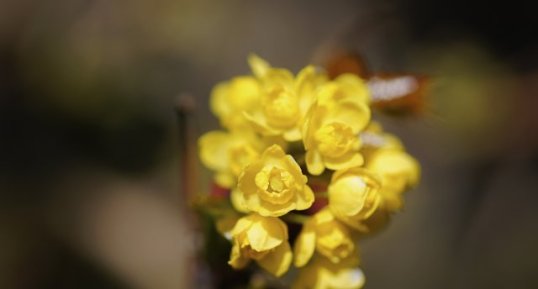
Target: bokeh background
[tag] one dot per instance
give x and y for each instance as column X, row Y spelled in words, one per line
column 101, row 103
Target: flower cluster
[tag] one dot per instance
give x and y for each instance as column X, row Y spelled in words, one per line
column 303, row 149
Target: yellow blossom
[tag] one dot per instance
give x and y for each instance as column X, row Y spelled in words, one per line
column 398, row 172
column 228, row 153
column 263, row 239
column 331, row 128
column 230, row 99
column 324, row 124
column 327, row 236
column 354, row 196
column 285, row 99
column 323, row 274
column 273, row 184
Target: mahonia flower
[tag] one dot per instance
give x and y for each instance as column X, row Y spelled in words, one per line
column 327, row 236
column 354, row 196
column 273, row 185
column 284, row 101
column 228, row 153
column 323, row 274
column 332, row 125
column 398, row 172
column 230, row 99
column 263, row 239
column 324, row 124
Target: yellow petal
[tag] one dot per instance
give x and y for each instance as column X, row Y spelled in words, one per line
column 243, row 224
column 305, row 199
column 237, row 260
column 304, row 245
column 243, row 93
column 259, row 124
column 278, row 261
column 277, row 77
column 395, row 165
column 293, row 134
column 274, row 151
column 217, row 101
column 346, row 161
column 349, row 278
column 358, row 87
column 306, row 84
column 225, row 179
column 336, row 243
column 245, row 181
column 214, row 150
column 258, row 66
column 304, row 79
column 238, row 201
column 290, row 165
column 307, row 131
column 266, row 233
column 327, row 93
column 314, row 163
column 322, row 274
column 347, row 195
column 356, row 115
column 333, row 239
column 267, row 209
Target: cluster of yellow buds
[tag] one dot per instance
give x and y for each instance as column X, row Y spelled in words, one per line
column 303, row 149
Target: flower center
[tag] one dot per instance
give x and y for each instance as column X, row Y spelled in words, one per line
column 275, row 185
column 335, row 139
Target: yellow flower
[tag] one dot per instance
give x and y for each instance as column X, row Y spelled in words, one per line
column 327, row 236
column 273, row 184
column 228, row 153
column 230, row 99
column 263, row 239
column 398, row 172
column 323, row 274
column 354, row 196
column 285, row 99
column 331, row 128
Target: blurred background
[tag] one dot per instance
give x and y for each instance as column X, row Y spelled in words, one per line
column 101, row 103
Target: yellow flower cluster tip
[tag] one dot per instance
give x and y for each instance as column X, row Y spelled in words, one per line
column 284, row 135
